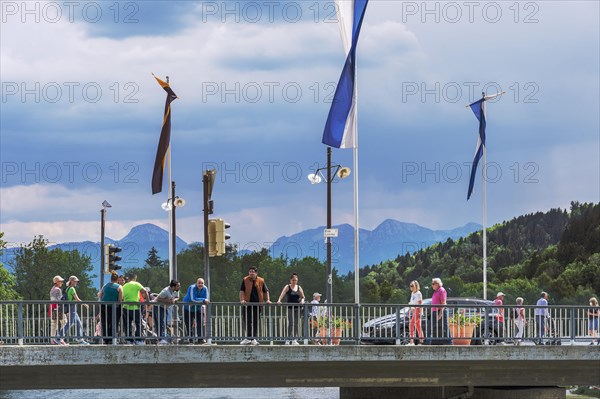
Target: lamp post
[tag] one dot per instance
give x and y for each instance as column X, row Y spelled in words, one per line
column 170, row 206
column 315, row 178
column 105, row 205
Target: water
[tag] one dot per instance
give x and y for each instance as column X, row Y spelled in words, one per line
column 176, row 393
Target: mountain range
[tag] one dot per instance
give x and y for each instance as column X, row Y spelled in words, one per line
column 388, row 240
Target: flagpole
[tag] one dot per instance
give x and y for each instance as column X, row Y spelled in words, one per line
column 356, row 225
column 483, row 174
column 171, row 269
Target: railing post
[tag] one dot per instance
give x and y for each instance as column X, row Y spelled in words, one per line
column 114, row 329
column 485, row 339
column 356, row 326
column 398, row 308
column 20, row 323
column 208, row 327
column 305, row 323
column 572, row 324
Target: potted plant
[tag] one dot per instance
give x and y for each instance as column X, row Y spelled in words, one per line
column 461, row 327
column 337, row 325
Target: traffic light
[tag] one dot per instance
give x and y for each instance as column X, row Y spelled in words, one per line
column 111, row 258
column 217, row 237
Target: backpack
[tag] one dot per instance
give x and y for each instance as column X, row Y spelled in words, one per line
column 65, row 298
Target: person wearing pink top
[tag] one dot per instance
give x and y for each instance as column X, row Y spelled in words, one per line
column 438, row 326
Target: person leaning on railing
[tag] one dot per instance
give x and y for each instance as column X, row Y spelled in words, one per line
column 197, row 294
column 132, row 313
column 162, row 310
column 293, row 294
column 110, row 293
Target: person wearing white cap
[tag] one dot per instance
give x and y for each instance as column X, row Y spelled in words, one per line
column 55, row 310
column 71, row 296
column 314, row 314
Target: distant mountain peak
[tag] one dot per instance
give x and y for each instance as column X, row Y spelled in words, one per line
column 388, row 240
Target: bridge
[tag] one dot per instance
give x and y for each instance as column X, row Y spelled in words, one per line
column 493, row 369
column 360, row 371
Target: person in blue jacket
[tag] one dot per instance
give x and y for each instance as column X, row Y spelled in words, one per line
column 197, row 294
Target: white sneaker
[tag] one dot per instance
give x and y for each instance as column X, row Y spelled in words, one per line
column 245, row 341
column 294, row 342
column 254, row 342
column 83, row 342
column 140, row 343
column 288, row 342
column 410, row 344
column 163, row 342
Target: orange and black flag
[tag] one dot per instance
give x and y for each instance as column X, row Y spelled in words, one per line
column 165, row 139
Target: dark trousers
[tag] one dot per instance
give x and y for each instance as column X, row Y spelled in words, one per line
column 133, row 316
column 437, row 329
column 540, row 328
column 251, row 319
column 109, row 329
column 193, row 315
column 160, row 319
column 293, row 317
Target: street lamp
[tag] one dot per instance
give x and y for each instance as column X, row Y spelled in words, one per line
column 105, row 205
column 170, row 206
column 316, row 178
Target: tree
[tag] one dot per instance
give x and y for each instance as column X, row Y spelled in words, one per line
column 35, row 266
column 153, row 260
column 7, row 282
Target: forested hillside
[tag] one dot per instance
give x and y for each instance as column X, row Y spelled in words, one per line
column 556, row 251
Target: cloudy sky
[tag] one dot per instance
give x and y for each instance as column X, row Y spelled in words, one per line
column 81, row 112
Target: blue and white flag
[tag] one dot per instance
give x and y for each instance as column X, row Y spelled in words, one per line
column 478, row 108
column 340, row 128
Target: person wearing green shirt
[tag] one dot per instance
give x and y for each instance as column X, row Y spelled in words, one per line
column 131, row 310
column 73, row 316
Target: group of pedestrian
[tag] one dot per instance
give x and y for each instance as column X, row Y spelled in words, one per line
column 65, row 314
column 437, row 327
column 253, row 294
column 123, row 301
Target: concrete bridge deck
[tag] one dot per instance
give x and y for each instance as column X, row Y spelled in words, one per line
column 98, row 366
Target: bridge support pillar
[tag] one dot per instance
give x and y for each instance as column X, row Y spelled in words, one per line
column 437, row 392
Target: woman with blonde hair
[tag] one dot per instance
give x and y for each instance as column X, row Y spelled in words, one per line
column 416, row 298
column 519, row 317
column 593, row 313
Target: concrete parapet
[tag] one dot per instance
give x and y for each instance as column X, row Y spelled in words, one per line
column 453, row 393
column 51, row 367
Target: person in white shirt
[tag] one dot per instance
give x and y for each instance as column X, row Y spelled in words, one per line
column 519, row 316
column 416, row 298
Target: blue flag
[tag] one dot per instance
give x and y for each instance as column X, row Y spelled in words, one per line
column 340, row 128
column 478, row 108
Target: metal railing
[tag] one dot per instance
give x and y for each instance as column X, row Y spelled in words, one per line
column 44, row 322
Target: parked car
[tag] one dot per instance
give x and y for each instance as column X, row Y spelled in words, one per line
column 382, row 330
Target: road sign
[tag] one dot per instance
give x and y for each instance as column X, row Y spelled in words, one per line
column 330, row 233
